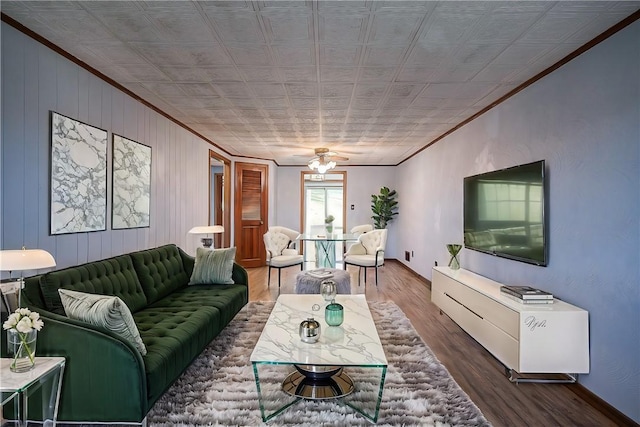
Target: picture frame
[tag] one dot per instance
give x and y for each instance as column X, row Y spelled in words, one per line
column 78, row 176
column 131, row 179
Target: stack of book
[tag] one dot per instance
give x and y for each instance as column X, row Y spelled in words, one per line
column 320, row 273
column 527, row 294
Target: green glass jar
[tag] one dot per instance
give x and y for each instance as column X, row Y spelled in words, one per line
column 334, row 314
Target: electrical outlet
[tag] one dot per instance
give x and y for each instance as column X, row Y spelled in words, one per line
column 412, row 254
column 407, row 256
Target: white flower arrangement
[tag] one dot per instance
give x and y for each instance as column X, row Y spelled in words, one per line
column 23, row 321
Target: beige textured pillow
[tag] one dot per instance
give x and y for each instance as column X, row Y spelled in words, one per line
column 105, row 311
column 213, row 266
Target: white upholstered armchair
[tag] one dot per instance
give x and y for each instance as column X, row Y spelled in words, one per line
column 278, row 254
column 361, row 229
column 367, row 252
column 357, row 231
column 291, row 234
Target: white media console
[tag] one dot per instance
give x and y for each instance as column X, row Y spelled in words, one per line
column 525, row 338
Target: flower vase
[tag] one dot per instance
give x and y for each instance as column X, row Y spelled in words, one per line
column 454, row 262
column 329, row 228
column 21, row 347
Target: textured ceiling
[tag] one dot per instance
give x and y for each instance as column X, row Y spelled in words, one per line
column 372, row 80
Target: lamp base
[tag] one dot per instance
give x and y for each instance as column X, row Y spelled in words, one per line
column 207, row 242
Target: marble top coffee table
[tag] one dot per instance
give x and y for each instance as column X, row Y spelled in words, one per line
column 320, row 366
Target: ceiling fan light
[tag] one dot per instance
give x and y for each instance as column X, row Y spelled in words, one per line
column 323, row 161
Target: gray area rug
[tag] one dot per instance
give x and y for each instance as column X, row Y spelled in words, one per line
column 219, row 387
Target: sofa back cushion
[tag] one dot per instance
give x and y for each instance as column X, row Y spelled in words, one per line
column 113, row 276
column 160, row 271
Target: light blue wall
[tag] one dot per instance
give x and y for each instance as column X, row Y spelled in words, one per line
column 36, row 80
column 584, row 120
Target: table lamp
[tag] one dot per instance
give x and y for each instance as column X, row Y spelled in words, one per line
column 207, row 229
column 24, row 260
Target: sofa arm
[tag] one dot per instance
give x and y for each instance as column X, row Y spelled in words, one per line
column 239, row 275
column 104, row 378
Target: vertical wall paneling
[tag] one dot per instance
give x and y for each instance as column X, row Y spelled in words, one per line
column 28, row 173
column 12, row 172
column 35, row 81
column 117, row 127
column 94, row 104
column 67, row 82
column 83, row 116
column 130, row 130
column 180, row 232
column 106, row 114
column 47, row 95
column 157, row 174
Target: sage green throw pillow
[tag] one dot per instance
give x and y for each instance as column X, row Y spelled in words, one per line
column 213, row 266
column 105, row 311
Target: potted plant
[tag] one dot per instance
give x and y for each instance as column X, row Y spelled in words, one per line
column 384, row 207
column 328, row 223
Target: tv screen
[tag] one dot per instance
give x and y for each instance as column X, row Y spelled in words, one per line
column 504, row 213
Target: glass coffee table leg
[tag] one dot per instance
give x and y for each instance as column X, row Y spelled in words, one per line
column 371, row 414
column 269, row 391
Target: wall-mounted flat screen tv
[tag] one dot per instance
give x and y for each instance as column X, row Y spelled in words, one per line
column 505, row 213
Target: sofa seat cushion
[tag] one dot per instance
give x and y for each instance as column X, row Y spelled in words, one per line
column 177, row 328
column 114, row 276
column 160, row 271
column 229, row 299
column 173, row 338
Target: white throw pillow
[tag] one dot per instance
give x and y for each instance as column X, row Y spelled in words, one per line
column 106, row 311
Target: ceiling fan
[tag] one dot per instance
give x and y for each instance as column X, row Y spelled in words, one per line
column 324, row 160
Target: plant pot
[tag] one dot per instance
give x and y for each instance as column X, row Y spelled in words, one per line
column 21, row 348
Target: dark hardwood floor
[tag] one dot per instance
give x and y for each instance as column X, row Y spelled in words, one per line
column 479, row 374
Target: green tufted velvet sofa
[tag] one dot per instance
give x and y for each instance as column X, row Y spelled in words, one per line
column 106, row 379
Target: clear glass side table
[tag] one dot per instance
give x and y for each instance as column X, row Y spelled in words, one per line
column 18, row 387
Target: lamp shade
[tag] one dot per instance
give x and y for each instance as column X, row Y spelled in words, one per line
column 25, row 259
column 207, row 229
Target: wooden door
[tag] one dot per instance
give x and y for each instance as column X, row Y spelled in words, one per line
column 251, row 195
column 218, row 180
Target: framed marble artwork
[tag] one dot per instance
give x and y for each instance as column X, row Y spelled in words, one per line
column 131, row 184
column 78, row 193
